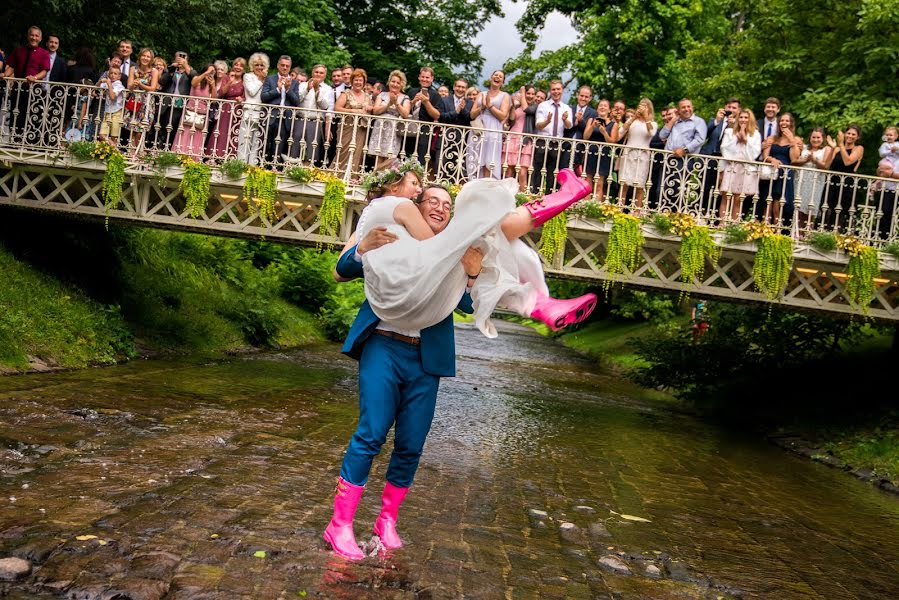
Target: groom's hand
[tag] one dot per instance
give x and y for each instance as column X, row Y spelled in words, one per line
column 377, row 237
column 471, row 261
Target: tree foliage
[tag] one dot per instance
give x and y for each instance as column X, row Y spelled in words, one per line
column 378, row 36
column 625, row 48
column 831, row 63
column 408, row 35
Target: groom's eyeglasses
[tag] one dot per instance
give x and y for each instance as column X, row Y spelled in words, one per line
column 435, row 203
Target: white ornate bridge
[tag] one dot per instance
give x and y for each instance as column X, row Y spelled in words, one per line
column 37, row 172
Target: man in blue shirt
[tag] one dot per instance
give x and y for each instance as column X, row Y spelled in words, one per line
column 683, row 134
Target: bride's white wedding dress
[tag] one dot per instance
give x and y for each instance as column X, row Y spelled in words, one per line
column 413, row 284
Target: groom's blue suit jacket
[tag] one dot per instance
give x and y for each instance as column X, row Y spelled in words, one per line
column 438, row 342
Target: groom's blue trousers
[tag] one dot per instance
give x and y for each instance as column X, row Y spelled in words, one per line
column 393, row 390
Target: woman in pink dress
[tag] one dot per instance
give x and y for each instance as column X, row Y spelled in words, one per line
column 195, row 120
column 518, row 151
column 223, row 141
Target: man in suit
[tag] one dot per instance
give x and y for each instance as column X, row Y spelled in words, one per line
column 175, row 80
column 712, row 146
column 57, row 72
column 455, row 110
column 279, row 90
column 426, row 103
column 573, row 154
column 553, row 117
column 399, row 374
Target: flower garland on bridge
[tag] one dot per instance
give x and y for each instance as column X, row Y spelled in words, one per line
column 113, row 178
column 195, row 186
column 863, row 267
column 623, row 251
column 330, row 213
column 259, row 192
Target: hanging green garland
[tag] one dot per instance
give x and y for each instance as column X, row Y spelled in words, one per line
column 697, row 246
column 773, row 261
column 195, row 187
column 330, row 215
column 863, row 267
column 113, row 181
column 553, row 236
column 259, row 192
column 625, row 242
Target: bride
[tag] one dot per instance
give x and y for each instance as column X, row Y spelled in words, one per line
column 418, row 280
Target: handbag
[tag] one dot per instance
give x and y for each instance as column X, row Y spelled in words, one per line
column 477, row 123
column 767, row 172
column 194, row 119
column 132, row 105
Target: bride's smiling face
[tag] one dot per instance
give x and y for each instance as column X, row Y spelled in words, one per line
column 409, row 187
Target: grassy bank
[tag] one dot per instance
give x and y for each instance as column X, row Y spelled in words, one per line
column 45, row 319
column 86, row 295
column 834, row 400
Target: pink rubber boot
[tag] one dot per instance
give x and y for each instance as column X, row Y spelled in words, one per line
column 339, row 532
column 385, row 524
column 572, row 189
column 559, row 314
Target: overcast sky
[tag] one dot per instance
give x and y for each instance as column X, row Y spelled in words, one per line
column 500, row 40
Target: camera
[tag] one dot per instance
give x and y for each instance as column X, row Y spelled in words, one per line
column 728, row 113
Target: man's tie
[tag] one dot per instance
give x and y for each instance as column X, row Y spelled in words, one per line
column 555, row 119
column 770, row 126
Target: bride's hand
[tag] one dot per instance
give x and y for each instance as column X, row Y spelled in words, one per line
column 374, row 239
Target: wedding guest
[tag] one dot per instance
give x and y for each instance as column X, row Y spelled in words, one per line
column 518, row 150
column 249, row 134
column 553, row 116
column 176, row 82
column 386, row 138
column 142, row 80
column 114, row 105
column 493, row 108
column 223, row 141
column 312, row 131
column 841, row 189
column 603, row 129
column 782, row 149
column 443, row 91
column 740, row 180
column 191, row 136
column 354, row 130
column 815, row 157
column 637, row 133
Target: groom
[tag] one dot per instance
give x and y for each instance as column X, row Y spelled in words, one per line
column 399, row 373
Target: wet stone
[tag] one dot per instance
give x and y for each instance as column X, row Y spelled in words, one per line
column 538, row 514
column 614, row 564
column 598, row 530
column 12, row 569
column 37, row 550
column 581, row 508
column 653, row 572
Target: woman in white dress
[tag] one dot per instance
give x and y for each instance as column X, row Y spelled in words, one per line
column 742, row 142
column 636, row 158
column 417, row 281
column 249, row 140
column 492, row 108
column 385, row 139
column 815, row 157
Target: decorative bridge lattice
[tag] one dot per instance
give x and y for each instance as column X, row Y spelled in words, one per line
column 37, row 172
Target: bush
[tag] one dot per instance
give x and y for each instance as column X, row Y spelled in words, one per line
column 635, row 305
column 339, row 311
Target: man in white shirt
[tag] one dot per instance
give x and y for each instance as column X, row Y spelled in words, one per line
column 552, row 119
column 313, row 129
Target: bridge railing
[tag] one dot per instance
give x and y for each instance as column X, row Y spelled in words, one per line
column 43, row 118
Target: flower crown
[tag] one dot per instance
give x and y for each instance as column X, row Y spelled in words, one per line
column 379, row 179
column 451, row 188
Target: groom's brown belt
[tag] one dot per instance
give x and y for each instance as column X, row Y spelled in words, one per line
column 415, row 341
